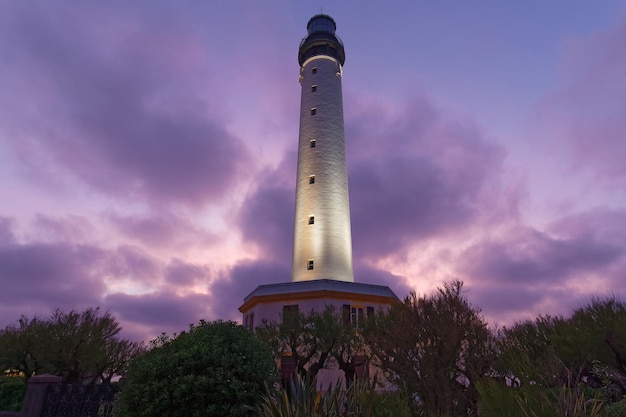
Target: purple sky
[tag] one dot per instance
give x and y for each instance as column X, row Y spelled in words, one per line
column 147, row 153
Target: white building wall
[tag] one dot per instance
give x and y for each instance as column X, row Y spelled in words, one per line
column 327, row 242
column 272, row 311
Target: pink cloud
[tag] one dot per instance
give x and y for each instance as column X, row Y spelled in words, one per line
column 531, row 270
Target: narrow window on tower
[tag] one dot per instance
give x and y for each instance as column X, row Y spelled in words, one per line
column 311, row 179
column 311, row 219
column 313, row 111
column 313, row 88
column 312, row 143
column 314, row 70
column 309, row 264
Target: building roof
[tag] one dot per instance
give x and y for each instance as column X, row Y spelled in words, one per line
column 318, row 289
column 321, row 285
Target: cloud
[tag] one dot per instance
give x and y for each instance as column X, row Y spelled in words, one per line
column 415, row 174
column 161, row 229
column 126, row 110
column 531, row 270
column 366, row 274
column 184, row 274
column 40, row 276
column 228, row 292
column 158, row 312
column 132, row 262
column 267, row 213
column 6, row 231
column 585, row 115
column 69, row 228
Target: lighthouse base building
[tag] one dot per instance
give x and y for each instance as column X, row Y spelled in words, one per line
column 355, row 300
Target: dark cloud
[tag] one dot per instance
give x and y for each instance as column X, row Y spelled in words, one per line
column 6, row 231
column 534, row 257
column 506, row 299
column 228, row 293
column 266, row 215
column 36, row 277
column 531, row 270
column 181, row 273
column 415, row 175
column 596, row 225
column 132, row 262
column 368, row 275
column 161, row 229
column 160, row 312
column 117, row 109
column 71, row 228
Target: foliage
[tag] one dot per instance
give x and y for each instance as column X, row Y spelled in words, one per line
column 300, row 398
column 314, row 338
column 12, row 390
column 564, row 366
column 78, row 346
column 437, row 347
column 213, row 369
column 617, row 409
column 535, row 400
column 24, row 347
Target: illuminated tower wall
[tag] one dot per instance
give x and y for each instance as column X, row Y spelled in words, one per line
column 322, row 235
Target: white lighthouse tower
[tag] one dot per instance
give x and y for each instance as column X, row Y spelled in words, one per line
column 322, row 272
column 322, row 244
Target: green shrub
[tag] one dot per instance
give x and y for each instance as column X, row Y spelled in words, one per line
column 497, row 399
column 12, row 390
column 214, row 369
column 617, row 409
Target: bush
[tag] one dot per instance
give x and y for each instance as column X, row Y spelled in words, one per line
column 12, row 390
column 617, row 409
column 214, row 369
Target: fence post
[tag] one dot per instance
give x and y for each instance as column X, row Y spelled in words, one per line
column 35, row 397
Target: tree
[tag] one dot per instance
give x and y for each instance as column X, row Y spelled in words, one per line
column 23, row 346
column 436, row 347
column 78, row 346
column 599, row 329
column 313, row 339
column 213, row 369
column 594, row 334
column 560, row 362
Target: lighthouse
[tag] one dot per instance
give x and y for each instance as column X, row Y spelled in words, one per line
column 322, row 273
column 322, row 244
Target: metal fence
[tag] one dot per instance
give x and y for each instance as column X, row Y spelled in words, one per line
column 65, row 400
